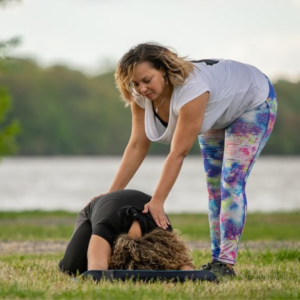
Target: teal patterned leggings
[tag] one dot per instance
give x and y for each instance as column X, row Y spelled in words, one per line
column 229, row 155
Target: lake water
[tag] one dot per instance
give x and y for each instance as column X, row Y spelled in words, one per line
column 67, row 183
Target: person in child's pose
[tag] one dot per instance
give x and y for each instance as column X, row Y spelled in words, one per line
column 111, row 232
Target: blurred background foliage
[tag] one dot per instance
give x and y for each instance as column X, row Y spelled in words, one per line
column 64, row 112
column 9, row 126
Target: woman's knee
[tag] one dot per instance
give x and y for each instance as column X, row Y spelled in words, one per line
column 71, row 268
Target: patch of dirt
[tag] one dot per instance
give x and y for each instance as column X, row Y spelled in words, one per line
column 251, row 245
column 43, row 247
column 32, row 247
column 39, row 221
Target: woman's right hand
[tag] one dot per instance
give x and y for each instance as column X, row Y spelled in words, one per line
column 95, row 198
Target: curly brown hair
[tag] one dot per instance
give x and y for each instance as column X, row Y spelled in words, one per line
column 160, row 57
column 157, row 250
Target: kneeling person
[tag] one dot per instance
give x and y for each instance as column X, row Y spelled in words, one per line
column 113, row 233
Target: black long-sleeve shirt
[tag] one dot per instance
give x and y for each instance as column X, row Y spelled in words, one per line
column 113, row 214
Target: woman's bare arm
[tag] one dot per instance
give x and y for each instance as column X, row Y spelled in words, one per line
column 188, row 126
column 99, row 253
column 99, row 250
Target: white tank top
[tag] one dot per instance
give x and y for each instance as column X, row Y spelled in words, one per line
column 234, row 88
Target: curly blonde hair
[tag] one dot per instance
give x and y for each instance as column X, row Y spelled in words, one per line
column 161, row 58
column 157, row 250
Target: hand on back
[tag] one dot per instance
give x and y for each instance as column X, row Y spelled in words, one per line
column 95, row 198
column 156, row 209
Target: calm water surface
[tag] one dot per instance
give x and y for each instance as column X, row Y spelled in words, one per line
column 69, row 182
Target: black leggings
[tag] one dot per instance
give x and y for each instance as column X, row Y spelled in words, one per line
column 75, row 258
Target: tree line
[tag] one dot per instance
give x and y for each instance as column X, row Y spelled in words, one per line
column 9, row 127
column 64, row 112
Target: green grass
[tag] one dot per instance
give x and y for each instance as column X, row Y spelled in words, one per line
column 36, row 225
column 261, row 275
column 58, row 225
column 259, row 226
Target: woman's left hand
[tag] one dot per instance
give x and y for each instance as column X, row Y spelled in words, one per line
column 156, row 209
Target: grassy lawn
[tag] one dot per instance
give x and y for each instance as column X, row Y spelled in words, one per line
column 59, row 225
column 261, row 274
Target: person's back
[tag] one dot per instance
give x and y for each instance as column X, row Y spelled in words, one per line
column 101, row 222
column 234, row 88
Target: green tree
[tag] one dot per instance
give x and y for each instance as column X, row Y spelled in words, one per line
column 64, row 112
column 8, row 129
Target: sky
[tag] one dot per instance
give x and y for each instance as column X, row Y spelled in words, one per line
column 92, row 35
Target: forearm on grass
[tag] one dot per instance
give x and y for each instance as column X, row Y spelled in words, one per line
column 99, row 252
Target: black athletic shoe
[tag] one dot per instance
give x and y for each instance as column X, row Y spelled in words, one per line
column 221, row 269
column 209, row 265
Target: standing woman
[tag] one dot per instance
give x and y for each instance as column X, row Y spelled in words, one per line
column 231, row 108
